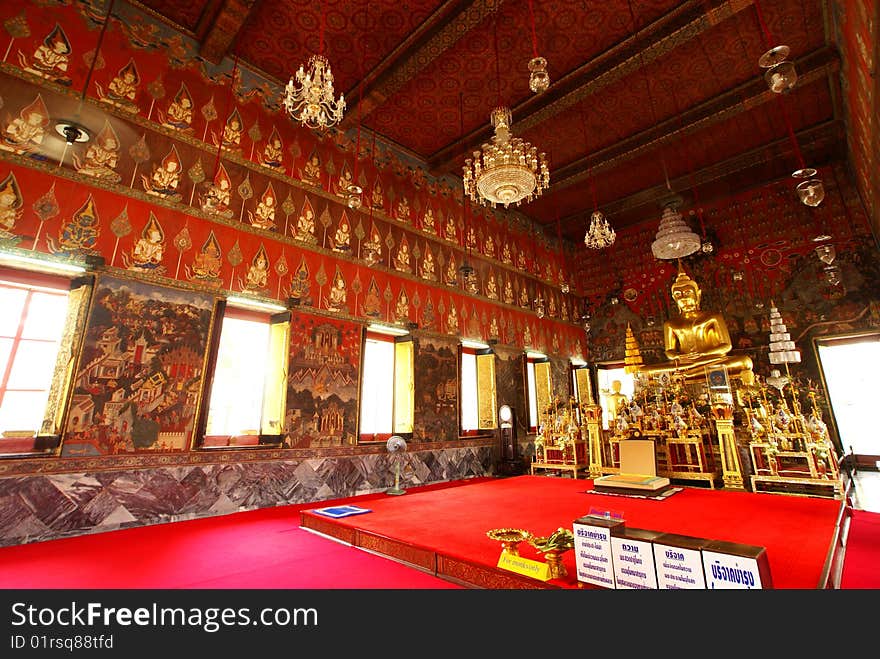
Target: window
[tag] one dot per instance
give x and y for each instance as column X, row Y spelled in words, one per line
column 41, row 315
column 537, row 387
column 248, row 390
column 387, row 401
column 477, row 396
column 607, row 376
column 581, row 385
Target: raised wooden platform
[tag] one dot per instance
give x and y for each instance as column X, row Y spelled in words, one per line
column 454, row 569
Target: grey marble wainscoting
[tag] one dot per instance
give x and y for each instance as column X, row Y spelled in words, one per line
column 41, row 506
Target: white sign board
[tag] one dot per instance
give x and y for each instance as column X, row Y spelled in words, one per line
column 633, row 563
column 678, row 567
column 592, row 550
column 730, row 571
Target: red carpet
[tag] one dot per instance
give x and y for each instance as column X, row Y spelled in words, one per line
column 862, row 556
column 797, row 532
column 255, row 549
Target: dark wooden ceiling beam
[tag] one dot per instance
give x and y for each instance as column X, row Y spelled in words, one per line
column 815, row 66
column 682, row 24
column 442, row 30
column 219, row 31
column 816, row 139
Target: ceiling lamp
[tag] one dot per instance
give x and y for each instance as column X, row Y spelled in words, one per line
column 810, row 190
column 675, row 239
column 507, row 170
column 600, row 234
column 780, row 75
column 310, row 99
column 539, row 79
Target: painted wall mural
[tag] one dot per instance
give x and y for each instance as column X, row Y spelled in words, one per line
column 436, row 390
column 322, row 382
column 140, row 374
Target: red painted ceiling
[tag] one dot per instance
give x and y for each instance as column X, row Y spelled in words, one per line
column 636, row 85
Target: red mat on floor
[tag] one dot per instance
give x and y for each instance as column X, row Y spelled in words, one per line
column 862, row 556
column 797, row 532
column 254, row 549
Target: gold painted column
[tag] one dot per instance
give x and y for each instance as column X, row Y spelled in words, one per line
column 730, row 467
column 593, row 422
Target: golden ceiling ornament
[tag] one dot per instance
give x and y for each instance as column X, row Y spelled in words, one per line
column 506, row 171
column 600, row 234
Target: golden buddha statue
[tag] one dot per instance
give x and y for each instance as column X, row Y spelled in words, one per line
column 698, row 340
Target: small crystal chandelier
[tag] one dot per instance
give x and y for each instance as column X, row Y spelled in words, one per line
column 780, row 74
column 810, row 190
column 600, row 234
column 675, row 239
column 507, row 170
column 539, row 79
column 310, row 99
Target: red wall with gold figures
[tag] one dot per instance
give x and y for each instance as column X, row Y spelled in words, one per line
column 165, row 125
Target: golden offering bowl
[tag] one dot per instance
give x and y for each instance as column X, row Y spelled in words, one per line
column 509, row 538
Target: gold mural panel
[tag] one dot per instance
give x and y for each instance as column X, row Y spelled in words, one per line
column 486, row 394
column 584, row 386
column 543, row 389
column 404, row 398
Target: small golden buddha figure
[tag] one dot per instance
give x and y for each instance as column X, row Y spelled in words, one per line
column 508, row 292
column 401, row 309
column 10, row 205
column 258, row 272
column 150, row 248
column 491, row 287
column 122, row 89
column 51, row 57
column 377, row 200
column 505, row 254
column 101, row 158
column 428, row 223
column 616, row 401
column 164, row 179
column 401, row 260
column 311, row 172
column 452, row 319
column 264, row 216
column 232, row 133
column 338, row 294
column 342, row 238
column 403, row 209
column 273, row 154
column 207, row 263
column 305, row 226
column 449, row 231
column 698, row 340
column 25, row 133
column 180, row 111
column 428, row 267
column 489, row 247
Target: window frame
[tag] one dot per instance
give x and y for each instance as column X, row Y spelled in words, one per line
column 530, row 360
column 77, row 288
column 485, row 427
column 402, row 420
column 271, row 431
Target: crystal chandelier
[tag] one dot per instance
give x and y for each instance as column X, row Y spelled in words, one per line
column 310, row 99
column 507, row 170
column 810, row 190
column 600, row 234
column 675, row 239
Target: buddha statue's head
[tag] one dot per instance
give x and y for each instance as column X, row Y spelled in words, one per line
column 685, row 292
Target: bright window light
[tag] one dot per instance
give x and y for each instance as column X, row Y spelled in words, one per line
column 31, row 326
column 533, row 394
column 377, row 387
column 469, row 402
column 850, row 371
column 605, row 380
column 239, row 378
